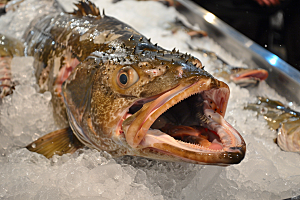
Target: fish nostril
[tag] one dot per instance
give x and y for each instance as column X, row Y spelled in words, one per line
column 180, row 72
column 197, row 63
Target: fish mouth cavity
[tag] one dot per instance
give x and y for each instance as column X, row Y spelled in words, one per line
column 190, row 118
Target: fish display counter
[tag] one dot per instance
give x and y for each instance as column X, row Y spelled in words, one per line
column 282, row 77
column 216, row 106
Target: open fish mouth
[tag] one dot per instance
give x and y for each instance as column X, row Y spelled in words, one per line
column 186, row 122
column 249, row 77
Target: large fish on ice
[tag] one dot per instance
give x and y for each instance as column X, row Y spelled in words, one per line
column 122, row 94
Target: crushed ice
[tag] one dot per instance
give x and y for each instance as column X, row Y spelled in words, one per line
column 265, row 173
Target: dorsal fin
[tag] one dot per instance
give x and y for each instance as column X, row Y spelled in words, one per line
column 86, row 8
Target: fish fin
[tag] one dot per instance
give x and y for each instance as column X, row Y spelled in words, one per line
column 57, row 142
column 86, row 8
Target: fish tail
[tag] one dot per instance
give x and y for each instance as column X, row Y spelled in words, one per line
column 56, row 143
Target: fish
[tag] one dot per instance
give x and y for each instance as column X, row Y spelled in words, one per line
column 243, row 76
column 281, row 118
column 9, row 47
column 115, row 91
column 183, row 26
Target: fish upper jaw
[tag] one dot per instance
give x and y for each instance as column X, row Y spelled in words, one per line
column 249, row 77
column 228, row 147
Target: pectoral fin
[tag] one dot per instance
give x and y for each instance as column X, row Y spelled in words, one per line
column 57, row 142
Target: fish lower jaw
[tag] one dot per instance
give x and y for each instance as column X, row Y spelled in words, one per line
column 166, row 146
column 228, row 148
column 225, row 143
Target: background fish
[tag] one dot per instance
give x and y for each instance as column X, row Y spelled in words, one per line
column 9, row 47
column 180, row 25
column 242, row 76
column 281, row 118
column 120, row 92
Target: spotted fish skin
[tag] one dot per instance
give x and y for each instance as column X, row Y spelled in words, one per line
column 110, row 83
column 59, row 38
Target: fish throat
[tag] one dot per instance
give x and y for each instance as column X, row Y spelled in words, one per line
column 188, row 121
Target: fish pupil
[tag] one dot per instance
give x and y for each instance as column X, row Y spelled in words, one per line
column 123, row 79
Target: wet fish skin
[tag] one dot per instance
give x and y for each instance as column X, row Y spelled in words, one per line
column 99, row 69
column 80, row 39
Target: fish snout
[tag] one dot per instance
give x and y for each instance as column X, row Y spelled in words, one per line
column 235, row 155
column 249, row 77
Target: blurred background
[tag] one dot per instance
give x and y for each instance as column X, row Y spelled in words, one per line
column 273, row 24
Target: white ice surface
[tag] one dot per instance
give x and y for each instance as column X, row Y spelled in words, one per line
column 265, row 173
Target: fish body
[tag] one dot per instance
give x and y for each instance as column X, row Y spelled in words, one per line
column 281, row 118
column 118, row 92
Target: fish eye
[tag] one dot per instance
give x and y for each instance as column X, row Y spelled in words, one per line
column 123, row 79
column 127, row 76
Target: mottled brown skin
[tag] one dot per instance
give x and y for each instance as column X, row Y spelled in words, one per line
column 10, row 47
column 57, row 35
column 51, row 38
column 100, row 105
column 96, row 102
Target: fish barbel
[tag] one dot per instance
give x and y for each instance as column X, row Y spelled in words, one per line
column 124, row 95
column 281, row 118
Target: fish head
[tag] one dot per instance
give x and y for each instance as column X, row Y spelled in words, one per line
column 246, row 77
column 155, row 105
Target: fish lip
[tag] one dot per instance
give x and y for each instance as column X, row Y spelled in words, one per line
column 140, row 137
column 249, row 77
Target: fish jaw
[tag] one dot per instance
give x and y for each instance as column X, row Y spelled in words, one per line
column 158, row 145
column 249, row 77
